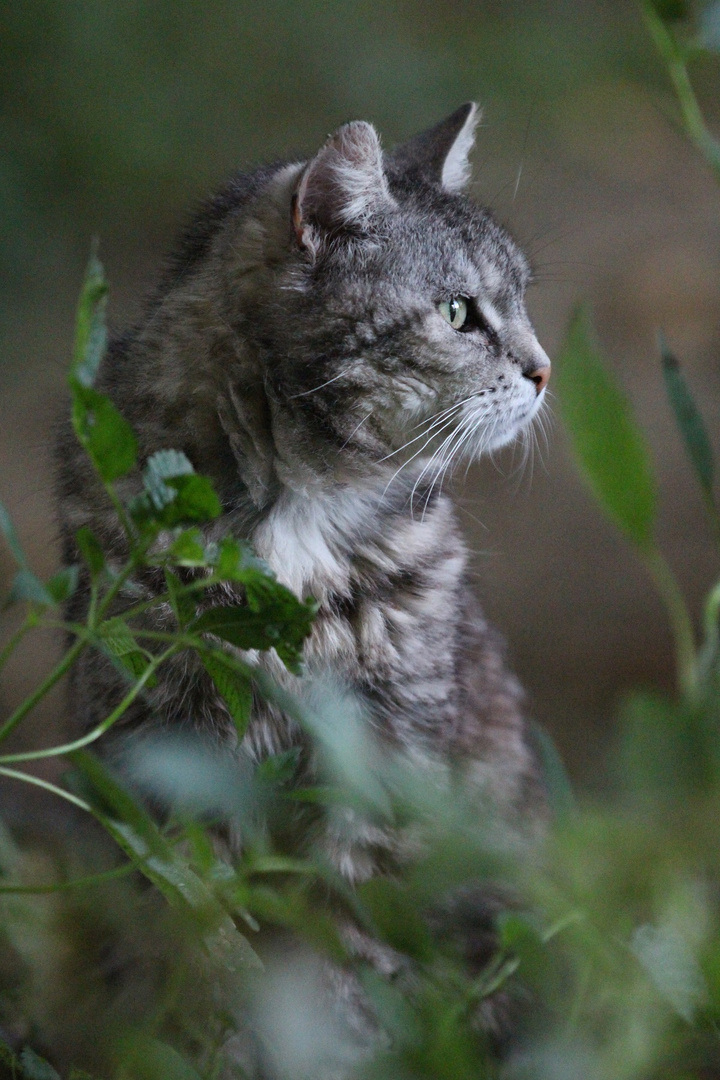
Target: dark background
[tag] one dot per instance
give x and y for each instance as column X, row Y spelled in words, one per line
column 117, row 115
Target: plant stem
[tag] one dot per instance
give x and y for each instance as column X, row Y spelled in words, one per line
column 670, row 51
column 680, row 621
column 76, row 883
column 54, row 677
column 27, row 778
column 12, row 644
column 100, row 729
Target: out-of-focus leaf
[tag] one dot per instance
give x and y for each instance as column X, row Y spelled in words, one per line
column 105, row 434
column 608, row 444
column 90, row 549
column 8, row 530
column 90, row 329
column 670, row 10
column 671, row 965
column 234, row 686
column 187, row 549
column 669, row 751
column 557, row 781
column 689, row 420
column 139, row 837
column 183, row 603
column 520, row 938
column 26, row 586
column 36, row 1068
column 709, row 36
column 62, row 585
column 151, row 1059
column 279, row 769
column 396, row 918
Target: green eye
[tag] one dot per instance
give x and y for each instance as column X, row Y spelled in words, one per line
column 454, row 311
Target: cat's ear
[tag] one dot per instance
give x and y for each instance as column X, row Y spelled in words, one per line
column 440, row 155
column 343, row 187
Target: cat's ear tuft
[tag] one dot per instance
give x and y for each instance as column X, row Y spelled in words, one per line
column 343, row 187
column 440, row 155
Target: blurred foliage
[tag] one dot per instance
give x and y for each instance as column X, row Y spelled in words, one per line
column 118, row 114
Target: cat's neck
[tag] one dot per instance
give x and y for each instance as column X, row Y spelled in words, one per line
column 313, row 538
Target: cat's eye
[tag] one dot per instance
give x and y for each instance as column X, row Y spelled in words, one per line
column 454, row 311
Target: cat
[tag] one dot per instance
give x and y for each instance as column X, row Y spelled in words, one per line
column 331, row 337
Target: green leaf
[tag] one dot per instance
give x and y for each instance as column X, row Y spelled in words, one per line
column 90, row 330
column 234, row 686
column 26, row 586
column 151, row 1059
column 393, row 913
column 279, row 769
column 62, row 585
column 670, row 10
column 106, row 436
column 709, row 37
column 174, row 493
column 689, row 420
column 139, row 837
column 671, row 965
column 557, row 782
column 37, row 1068
column 91, row 550
column 8, row 530
column 608, row 445
column 188, row 550
column 117, row 639
column 279, row 625
column 184, row 604
column 162, row 466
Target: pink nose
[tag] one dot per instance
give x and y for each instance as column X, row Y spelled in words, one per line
column 540, row 377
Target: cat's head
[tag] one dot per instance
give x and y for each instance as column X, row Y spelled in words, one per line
column 388, row 308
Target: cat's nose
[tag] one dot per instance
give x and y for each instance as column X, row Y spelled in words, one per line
column 540, row 377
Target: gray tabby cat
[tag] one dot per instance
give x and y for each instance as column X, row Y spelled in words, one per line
column 331, row 338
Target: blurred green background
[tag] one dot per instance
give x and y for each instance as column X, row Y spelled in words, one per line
column 117, row 116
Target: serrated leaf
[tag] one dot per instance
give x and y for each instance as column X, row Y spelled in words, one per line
column 91, row 550
column 118, row 640
column 105, row 434
column 8, row 530
column 689, row 420
column 160, row 467
column 117, row 636
column 279, row 625
column 174, row 493
column 62, row 585
column 234, row 687
column 608, row 445
column 90, row 329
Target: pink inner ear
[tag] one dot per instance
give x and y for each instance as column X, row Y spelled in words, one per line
column 343, row 186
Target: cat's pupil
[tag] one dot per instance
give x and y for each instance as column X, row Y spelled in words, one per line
column 454, row 311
